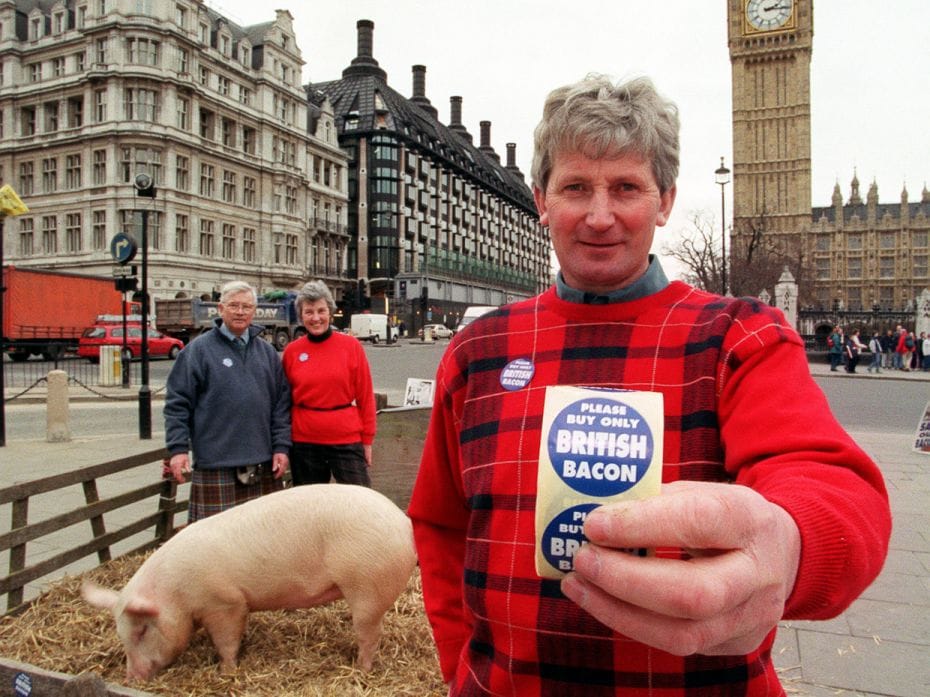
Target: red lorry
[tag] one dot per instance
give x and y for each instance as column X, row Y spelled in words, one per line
column 45, row 312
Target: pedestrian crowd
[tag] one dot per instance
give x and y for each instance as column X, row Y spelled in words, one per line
column 897, row 349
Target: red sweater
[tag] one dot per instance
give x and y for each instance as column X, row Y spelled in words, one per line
column 332, row 399
column 740, row 406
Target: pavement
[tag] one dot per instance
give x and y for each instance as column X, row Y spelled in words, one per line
column 879, row 647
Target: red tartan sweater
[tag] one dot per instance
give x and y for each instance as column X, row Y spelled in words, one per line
column 740, row 406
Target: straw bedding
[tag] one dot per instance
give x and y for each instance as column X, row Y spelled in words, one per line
column 303, row 653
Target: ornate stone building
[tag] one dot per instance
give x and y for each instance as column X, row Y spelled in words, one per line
column 441, row 223
column 250, row 180
column 856, row 255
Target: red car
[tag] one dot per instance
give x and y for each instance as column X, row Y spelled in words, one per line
column 112, row 335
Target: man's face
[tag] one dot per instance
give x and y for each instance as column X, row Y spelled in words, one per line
column 602, row 216
column 237, row 312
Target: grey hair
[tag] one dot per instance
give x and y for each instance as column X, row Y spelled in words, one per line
column 313, row 291
column 597, row 118
column 234, row 288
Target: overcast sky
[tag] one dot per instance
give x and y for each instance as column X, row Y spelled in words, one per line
column 869, row 90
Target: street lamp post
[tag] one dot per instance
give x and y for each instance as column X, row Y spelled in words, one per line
column 145, row 186
column 723, row 178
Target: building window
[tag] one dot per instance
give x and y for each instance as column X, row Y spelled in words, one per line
column 886, row 240
column 184, row 117
column 207, row 124
column 245, row 56
column 822, row 269
column 73, row 172
column 919, row 265
column 222, row 85
column 100, row 167
column 99, row 229
column 26, row 239
column 154, row 232
column 73, row 241
column 28, row 120
column 854, row 241
column 50, row 234
column 50, row 175
column 182, row 173
column 919, row 239
column 141, row 105
column 35, row 72
column 245, row 95
column 228, row 132
column 142, row 51
column 204, row 34
column 101, row 51
column 248, row 140
column 184, row 59
column 180, row 16
column 290, row 249
column 75, row 112
column 290, row 199
column 182, row 242
column 886, row 267
column 248, row 244
column 248, row 192
column 206, row 180
column 51, row 117
column 58, row 67
column 35, row 28
column 135, row 160
column 206, row 238
column 100, row 106
column 854, row 267
column 79, row 61
column 229, row 241
column 229, row 186
column 203, row 75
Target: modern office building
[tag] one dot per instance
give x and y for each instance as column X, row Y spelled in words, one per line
column 439, row 222
column 860, row 255
column 250, row 180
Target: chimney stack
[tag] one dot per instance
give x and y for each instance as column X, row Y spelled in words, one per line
column 455, row 120
column 364, row 63
column 419, row 91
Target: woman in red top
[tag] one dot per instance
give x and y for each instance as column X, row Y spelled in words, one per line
column 332, row 398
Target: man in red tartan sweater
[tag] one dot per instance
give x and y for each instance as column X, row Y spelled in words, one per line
column 768, row 509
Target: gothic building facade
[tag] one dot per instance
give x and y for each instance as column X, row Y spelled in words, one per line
column 855, row 255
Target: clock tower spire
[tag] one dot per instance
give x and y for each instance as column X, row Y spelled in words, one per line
column 770, row 44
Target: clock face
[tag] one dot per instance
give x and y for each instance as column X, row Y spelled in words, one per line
column 766, row 15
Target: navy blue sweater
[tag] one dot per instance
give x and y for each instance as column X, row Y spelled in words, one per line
column 230, row 410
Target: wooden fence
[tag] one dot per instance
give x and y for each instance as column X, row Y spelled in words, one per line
column 21, row 532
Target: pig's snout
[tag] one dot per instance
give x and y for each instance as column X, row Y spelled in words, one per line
column 140, row 669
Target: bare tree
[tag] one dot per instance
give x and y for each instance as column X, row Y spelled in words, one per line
column 699, row 252
column 756, row 257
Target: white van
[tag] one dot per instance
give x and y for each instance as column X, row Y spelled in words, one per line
column 373, row 328
column 472, row 313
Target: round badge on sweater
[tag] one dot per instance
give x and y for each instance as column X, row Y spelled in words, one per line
column 304, row 357
column 228, row 362
column 517, row 374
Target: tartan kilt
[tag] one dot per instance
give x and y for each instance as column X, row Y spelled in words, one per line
column 215, row 490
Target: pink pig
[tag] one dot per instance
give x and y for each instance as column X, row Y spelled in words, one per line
column 295, row 548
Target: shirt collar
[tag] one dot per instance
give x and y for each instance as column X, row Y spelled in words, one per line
column 225, row 331
column 649, row 283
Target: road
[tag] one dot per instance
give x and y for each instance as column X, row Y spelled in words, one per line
column 863, row 404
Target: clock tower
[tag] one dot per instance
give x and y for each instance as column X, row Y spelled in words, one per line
column 770, row 45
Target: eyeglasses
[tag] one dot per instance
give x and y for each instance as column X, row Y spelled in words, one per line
column 239, row 307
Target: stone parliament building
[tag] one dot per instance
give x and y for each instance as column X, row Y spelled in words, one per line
column 863, row 256
column 257, row 176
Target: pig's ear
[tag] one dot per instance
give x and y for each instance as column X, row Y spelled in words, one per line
column 104, row 598
column 140, row 608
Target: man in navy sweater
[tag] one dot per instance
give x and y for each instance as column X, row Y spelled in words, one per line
column 228, row 401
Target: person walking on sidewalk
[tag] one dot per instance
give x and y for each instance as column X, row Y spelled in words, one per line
column 835, row 344
column 228, row 401
column 888, row 347
column 905, row 349
column 875, row 346
column 853, row 350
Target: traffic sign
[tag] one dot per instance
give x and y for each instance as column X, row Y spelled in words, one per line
column 123, row 248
